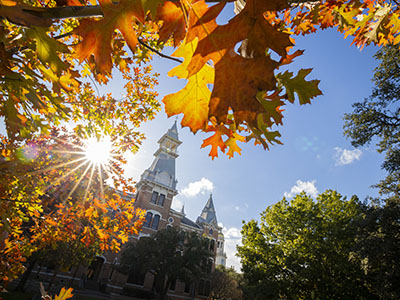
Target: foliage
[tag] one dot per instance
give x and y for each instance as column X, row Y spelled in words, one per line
column 378, row 248
column 301, row 250
column 377, row 118
column 169, row 254
column 225, row 284
column 43, row 73
column 57, row 204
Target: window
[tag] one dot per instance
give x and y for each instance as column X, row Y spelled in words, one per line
column 212, row 246
column 154, row 197
column 156, row 220
column 147, row 221
column 211, row 231
column 161, row 199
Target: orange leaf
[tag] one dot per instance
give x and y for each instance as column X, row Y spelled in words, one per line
column 173, row 22
column 97, row 34
column 215, row 141
column 194, row 98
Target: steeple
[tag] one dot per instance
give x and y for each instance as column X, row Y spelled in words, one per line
column 162, row 170
column 208, row 214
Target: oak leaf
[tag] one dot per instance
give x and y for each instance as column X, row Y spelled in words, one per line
column 305, row 90
column 97, row 34
column 194, row 98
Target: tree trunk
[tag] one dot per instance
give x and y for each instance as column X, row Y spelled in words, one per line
column 25, row 276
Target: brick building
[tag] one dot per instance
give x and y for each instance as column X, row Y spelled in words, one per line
column 155, row 192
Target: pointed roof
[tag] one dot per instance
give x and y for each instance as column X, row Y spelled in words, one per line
column 208, row 214
column 162, row 170
column 173, row 131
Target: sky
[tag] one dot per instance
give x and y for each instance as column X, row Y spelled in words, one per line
column 315, row 155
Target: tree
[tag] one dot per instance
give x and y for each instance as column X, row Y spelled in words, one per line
column 301, row 250
column 377, row 118
column 225, row 284
column 377, row 249
column 46, row 204
column 169, row 255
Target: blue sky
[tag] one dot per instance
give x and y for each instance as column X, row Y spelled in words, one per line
column 315, row 155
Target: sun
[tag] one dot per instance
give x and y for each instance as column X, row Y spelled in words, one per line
column 98, row 151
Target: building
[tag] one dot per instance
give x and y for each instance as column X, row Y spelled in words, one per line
column 155, row 192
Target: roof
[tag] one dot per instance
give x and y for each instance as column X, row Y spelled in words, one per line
column 173, row 132
column 208, row 214
column 190, row 223
column 164, row 163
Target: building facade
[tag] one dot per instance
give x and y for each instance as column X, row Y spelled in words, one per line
column 155, row 192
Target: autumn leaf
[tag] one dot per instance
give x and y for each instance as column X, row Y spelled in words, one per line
column 174, row 23
column 97, row 34
column 47, row 49
column 64, row 294
column 215, row 141
column 192, row 100
column 237, row 90
column 231, row 143
column 305, row 90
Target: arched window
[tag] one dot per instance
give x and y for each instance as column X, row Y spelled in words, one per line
column 156, row 220
column 161, row 199
column 147, row 221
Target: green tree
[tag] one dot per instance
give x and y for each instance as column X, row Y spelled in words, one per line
column 169, row 255
column 225, row 284
column 301, row 250
column 377, row 250
column 377, row 118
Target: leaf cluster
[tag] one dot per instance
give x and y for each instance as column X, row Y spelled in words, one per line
column 377, row 118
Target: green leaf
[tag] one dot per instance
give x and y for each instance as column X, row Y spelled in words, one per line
column 47, row 48
column 305, row 90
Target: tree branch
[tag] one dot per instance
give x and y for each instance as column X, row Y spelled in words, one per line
column 40, row 16
column 158, row 52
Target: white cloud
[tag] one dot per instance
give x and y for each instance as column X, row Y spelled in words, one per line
column 237, row 208
column 300, row 186
column 197, row 187
column 176, row 204
column 233, row 237
column 345, row 157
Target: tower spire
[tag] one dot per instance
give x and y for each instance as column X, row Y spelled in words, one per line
column 162, row 170
column 208, row 214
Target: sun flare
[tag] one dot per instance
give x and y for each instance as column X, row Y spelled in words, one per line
column 98, row 151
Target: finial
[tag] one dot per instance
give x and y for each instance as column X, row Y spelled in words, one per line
column 183, row 209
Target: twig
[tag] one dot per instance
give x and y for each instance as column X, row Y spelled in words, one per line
column 158, row 52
